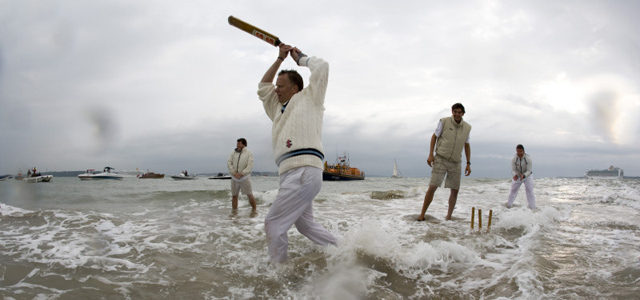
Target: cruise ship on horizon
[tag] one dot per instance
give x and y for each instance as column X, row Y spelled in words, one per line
column 611, row 172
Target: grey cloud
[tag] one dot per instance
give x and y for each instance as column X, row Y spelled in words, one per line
column 178, row 82
column 605, row 112
column 103, row 126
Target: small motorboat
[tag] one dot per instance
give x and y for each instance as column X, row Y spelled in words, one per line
column 5, row 177
column 34, row 176
column 88, row 174
column 220, row 176
column 38, row 178
column 151, row 175
column 184, row 175
column 107, row 173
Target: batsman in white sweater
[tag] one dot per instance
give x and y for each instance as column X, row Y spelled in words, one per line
column 297, row 114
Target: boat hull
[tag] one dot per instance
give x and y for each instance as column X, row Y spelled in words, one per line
column 151, row 176
column 611, row 173
column 99, row 177
column 43, row 178
column 183, row 177
column 604, row 177
column 327, row 176
column 107, row 173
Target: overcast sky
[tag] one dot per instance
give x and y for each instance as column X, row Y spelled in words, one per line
column 169, row 85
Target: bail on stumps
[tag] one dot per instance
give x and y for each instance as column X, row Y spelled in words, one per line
column 473, row 212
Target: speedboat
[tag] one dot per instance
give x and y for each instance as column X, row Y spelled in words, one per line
column 88, row 174
column 220, row 176
column 5, row 177
column 183, row 176
column 38, row 178
column 107, row 173
column 34, row 176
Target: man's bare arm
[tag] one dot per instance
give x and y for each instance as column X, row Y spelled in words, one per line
column 271, row 72
column 467, row 151
column 432, row 146
column 467, row 154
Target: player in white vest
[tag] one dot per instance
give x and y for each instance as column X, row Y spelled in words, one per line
column 297, row 114
column 522, row 170
column 450, row 137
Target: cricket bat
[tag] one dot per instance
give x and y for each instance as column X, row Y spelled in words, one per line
column 255, row 31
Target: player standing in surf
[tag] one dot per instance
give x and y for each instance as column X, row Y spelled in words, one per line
column 450, row 137
column 297, row 114
column 521, row 167
column 240, row 165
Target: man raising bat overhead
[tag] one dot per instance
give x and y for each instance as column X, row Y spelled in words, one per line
column 297, row 114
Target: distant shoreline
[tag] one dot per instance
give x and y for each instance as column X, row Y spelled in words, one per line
column 76, row 173
column 275, row 174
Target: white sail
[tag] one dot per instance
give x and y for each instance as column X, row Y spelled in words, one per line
column 395, row 174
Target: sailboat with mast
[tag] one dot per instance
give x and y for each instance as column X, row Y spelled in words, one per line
column 396, row 173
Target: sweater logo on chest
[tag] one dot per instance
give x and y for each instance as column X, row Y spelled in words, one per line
column 289, row 144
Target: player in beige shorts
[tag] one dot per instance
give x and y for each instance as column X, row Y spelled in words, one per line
column 450, row 137
column 442, row 168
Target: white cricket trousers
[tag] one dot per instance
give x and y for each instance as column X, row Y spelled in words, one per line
column 528, row 186
column 293, row 205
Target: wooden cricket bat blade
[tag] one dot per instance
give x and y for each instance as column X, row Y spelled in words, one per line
column 255, row 31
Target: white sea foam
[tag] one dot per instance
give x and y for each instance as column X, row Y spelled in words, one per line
column 12, row 211
column 526, row 219
column 342, row 282
column 194, row 245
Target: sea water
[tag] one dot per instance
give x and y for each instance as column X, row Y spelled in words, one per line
column 159, row 238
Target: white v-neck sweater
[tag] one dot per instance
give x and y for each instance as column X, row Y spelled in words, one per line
column 300, row 125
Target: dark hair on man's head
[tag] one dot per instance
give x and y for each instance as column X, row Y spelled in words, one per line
column 294, row 77
column 243, row 141
column 458, row 105
column 520, row 147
